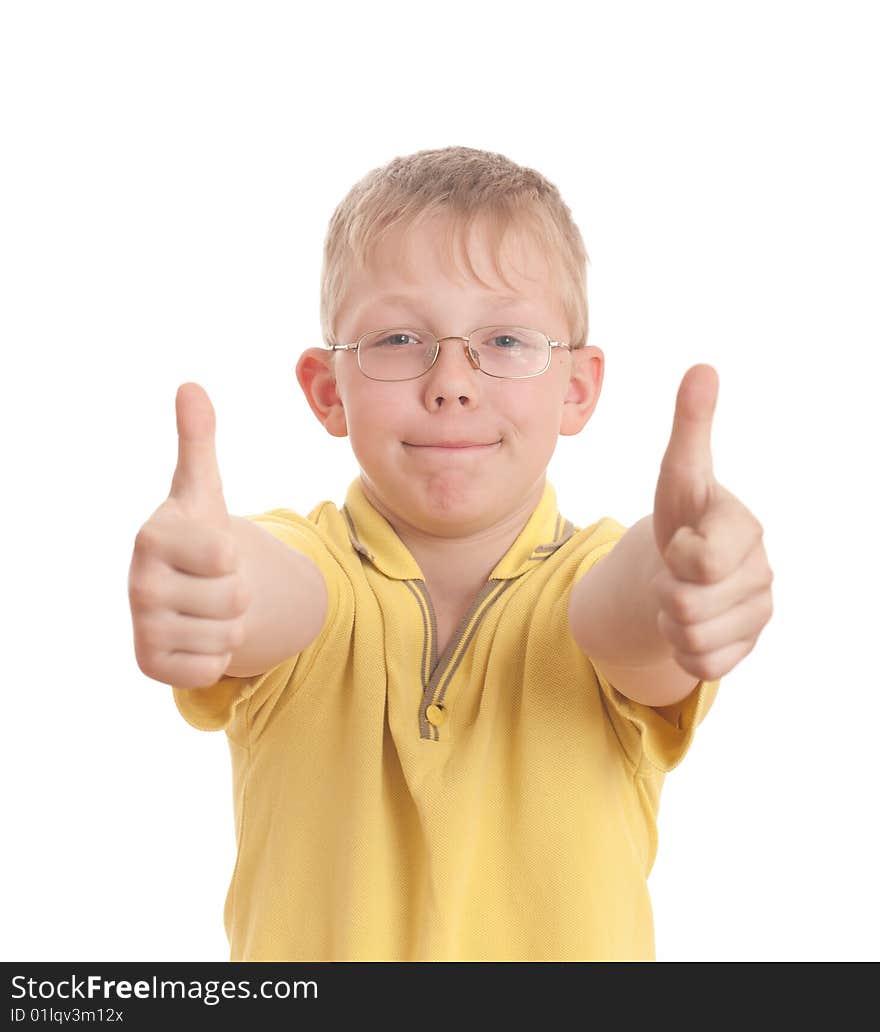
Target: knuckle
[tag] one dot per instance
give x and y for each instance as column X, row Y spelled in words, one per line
column 182, row 674
column 680, row 605
column 148, row 539
column 144, row 594
column 709, row 566
column 691, row 639
column 706, row 668
column 153, row 636
column 145, row 659
column 695, row 665
column 697, row 668
column 222, row 555
column 710, row 671
column 215, row 668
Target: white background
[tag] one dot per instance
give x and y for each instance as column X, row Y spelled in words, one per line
column 168, row 172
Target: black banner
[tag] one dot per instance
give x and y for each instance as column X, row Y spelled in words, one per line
column 142, row 995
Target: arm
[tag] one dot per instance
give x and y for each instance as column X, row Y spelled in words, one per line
column 612, row 614
column 684, row 594
column 288, row 600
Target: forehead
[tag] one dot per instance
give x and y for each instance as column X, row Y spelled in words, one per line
column 441, row 261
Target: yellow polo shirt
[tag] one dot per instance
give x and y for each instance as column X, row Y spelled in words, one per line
column 497, row 802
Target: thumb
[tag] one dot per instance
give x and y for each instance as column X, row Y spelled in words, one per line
column 690, row 449
column 197, row 476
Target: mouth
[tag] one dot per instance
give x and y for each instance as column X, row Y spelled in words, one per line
column 454, row 446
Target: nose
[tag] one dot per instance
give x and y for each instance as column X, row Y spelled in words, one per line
column 454, row 373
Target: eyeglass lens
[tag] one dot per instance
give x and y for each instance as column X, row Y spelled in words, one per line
column 403, row 354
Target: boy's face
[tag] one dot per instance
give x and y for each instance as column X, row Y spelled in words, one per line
column 452, row 492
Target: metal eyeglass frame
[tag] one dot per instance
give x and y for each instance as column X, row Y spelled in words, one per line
column 472, row 356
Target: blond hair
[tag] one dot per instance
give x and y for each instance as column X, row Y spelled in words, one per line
column 467, row 183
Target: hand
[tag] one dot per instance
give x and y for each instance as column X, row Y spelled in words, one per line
column 714, row 589
column 185, row 585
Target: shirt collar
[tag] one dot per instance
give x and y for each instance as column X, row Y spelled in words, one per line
column 376, row 540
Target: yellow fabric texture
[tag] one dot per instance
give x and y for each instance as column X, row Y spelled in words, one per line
column 498, row 802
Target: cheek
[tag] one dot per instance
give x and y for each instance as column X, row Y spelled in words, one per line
column 534, row 414
column 376, row 416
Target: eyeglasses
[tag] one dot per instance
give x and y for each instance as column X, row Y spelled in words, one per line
column 506, row 352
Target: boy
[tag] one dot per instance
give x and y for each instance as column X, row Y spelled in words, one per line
column 448, row 740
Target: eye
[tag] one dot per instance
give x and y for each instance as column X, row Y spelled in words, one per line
column 399, row 338
column 505, row 341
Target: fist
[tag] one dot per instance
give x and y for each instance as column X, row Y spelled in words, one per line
column 185, row 587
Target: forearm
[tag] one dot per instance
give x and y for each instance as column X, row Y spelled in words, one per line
column 613, row 608
column 288, row 600
column 613, row 617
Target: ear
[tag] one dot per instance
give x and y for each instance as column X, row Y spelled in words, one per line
column 584, row 387
column 316, row 376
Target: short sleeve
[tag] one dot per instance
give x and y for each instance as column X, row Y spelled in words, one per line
column 650, row 741
column 212, row 708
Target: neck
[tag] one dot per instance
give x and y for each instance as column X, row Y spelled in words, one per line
column 454, row 566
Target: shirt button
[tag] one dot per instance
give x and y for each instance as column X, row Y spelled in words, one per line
column 436, row 715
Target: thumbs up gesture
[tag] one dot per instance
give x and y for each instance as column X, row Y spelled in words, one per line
column 714, row 588
column 185, row 586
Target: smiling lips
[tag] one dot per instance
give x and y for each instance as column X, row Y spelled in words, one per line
column 448, row 445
